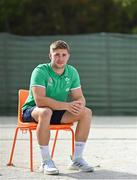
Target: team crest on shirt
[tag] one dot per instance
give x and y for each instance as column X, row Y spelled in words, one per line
column 67, row 80
column 50, row 81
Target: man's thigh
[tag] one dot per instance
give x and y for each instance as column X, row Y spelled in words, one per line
column 55, row 118
column 69, row 118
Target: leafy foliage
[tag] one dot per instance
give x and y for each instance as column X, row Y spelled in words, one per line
column 49, row 17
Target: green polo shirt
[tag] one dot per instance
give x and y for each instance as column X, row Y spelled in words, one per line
column 56, row 86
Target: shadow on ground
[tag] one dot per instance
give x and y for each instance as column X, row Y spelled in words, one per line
column 22, row 173
column 100, row 174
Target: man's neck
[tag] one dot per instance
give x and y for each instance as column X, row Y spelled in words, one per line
column 58, row 71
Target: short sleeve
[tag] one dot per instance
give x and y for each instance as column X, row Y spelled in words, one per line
column 75, row 80
column 38, row 78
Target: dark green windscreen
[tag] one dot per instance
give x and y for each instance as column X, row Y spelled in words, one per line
column 107, row 64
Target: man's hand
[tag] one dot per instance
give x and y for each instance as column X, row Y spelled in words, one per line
column 75, row 107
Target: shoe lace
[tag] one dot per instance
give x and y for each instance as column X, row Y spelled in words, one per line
column 83, row 162
column 50, row 163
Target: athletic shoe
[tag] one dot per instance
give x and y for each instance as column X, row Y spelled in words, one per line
column 80, row 164
column 41, row 168
column 48, row 167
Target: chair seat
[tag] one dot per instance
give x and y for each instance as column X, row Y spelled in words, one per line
column 61, row 126
column 33, row 125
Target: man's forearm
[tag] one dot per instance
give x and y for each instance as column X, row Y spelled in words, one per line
column 51, row 103
column 83, row 100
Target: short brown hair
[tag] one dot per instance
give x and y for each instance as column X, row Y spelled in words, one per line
column 59, row 44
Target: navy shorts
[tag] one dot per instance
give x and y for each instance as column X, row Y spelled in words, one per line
column 55, row 118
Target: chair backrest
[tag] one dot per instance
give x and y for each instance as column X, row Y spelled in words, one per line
column 22, row 96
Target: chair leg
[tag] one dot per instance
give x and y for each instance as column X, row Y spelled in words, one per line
column 73, row 139
column 13, row 146
column 54, row 144
column 31, row 151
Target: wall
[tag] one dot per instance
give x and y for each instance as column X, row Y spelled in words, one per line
column 107, row 64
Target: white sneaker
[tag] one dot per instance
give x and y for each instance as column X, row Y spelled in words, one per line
column 80, row 164
column 48, row 167
column 41, row 168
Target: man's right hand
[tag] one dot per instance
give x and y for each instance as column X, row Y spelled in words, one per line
column 75, row 107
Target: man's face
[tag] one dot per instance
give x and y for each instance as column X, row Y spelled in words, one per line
column 59, row 58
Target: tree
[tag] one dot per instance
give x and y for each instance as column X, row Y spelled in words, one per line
column 40, row 17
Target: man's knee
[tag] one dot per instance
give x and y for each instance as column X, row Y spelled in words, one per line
column 88, row 115
column 88, row 111
column 45, row 112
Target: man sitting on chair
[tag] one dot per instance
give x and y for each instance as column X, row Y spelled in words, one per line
column 50, row 86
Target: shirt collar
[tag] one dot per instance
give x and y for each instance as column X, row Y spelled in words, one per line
column 65, row 74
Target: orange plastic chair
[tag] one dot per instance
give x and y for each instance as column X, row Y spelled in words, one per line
column 23, row 94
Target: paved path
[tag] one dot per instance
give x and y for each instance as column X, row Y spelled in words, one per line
column 111, row 149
